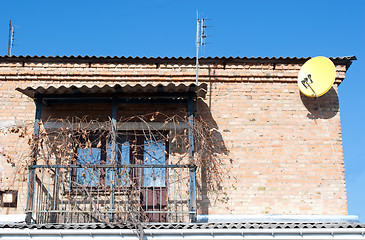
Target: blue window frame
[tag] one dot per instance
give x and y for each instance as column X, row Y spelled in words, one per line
column 154, row 152
column 121, row 175
column 88, row 176
column 90, row 150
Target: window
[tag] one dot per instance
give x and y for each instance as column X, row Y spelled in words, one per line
column 88, row 176
column 89, row 151
column 131, row 148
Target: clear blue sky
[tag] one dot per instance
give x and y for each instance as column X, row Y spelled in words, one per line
column 241, row 28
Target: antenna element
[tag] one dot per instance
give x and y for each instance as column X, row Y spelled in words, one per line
column 200, row 40
column 11, row 37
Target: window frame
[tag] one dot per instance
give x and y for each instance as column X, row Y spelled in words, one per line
column 80, row 140
column 139, row 138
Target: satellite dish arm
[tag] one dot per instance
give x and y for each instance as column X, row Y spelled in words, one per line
column 307, row 83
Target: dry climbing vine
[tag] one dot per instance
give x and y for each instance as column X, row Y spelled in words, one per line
column 79, row 141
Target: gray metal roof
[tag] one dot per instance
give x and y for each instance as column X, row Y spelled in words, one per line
column 157, row 60
column 244, row 225
column 166, row 58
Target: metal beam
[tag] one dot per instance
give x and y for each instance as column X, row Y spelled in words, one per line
column 111, row 95
column 71, row 100
column 116, row 166
column 122, row 126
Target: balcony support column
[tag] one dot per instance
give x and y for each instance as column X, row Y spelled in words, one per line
column 192, row 169
column 31, row 175
column 113, row 156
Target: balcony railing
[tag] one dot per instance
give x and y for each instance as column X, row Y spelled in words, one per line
column 111, row 193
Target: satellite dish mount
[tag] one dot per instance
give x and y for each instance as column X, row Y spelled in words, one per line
column 307, row 81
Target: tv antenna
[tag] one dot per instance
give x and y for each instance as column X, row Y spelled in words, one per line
column 11, row 37
column 200, row 40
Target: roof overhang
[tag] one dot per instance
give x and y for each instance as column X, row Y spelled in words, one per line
column 122, row 93
column 347, row 60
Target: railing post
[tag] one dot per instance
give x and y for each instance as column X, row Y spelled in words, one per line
column 113, row 156
column 31, row 176
column 192, row 169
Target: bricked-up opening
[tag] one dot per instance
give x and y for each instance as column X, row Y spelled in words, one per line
column 98, row 168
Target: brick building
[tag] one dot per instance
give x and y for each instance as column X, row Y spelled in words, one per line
column 272, row 150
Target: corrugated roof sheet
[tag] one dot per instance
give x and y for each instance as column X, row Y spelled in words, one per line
column 108, row 90
column 123, row 59
column 189, row 226
column 167, row 58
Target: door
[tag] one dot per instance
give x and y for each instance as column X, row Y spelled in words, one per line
column 154, row 190
column 151, row 182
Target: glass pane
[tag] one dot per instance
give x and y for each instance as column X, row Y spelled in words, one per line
column 121, row 175
column 88, row 176
column 154, row 153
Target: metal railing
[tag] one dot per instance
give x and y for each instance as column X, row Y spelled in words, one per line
column 111, row 193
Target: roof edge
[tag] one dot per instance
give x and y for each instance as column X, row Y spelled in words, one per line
column 346, row 60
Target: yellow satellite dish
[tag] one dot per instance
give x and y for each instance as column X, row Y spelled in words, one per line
column 316, row 76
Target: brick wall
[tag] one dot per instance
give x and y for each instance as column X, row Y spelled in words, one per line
column 280, row 150
column 281, row 154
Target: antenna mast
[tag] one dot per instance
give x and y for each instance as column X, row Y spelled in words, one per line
column 11, row 38
column 197, row 48
column 200, row 41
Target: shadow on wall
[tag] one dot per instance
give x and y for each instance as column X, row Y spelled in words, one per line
column 213, row 167
column 323, row 107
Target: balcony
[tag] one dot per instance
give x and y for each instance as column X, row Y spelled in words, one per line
column 127, row 158
column 111, row 193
